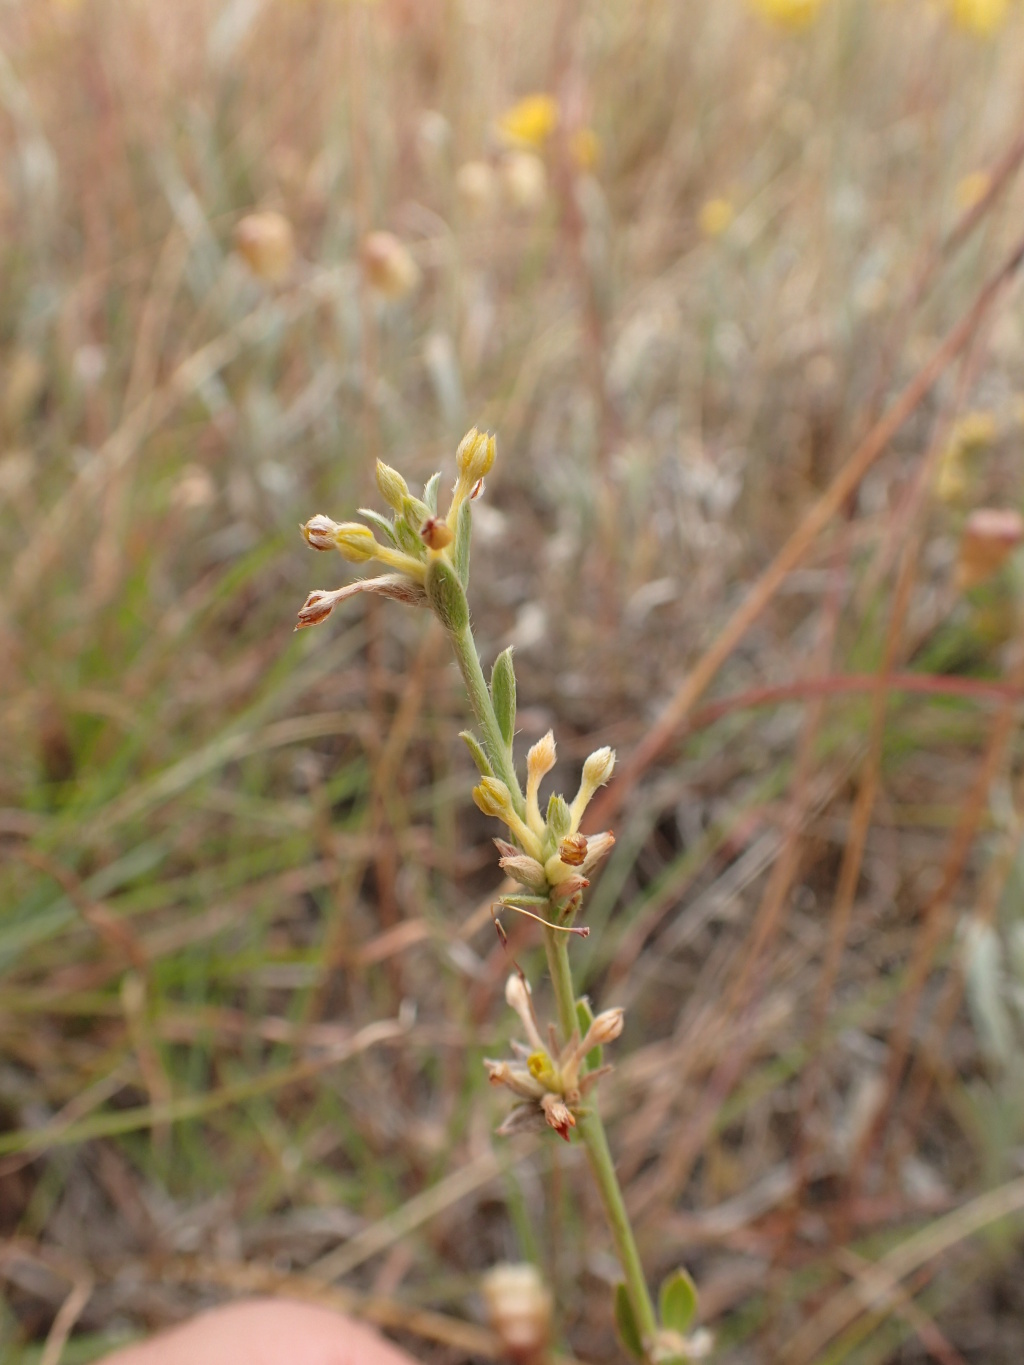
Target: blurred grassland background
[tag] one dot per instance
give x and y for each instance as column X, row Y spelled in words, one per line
column 247, row 966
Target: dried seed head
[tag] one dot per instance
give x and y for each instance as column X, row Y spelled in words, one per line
column 356, row 543
column 519, row 1308
column 573, row 850
column 524, row 180
column 316, row 608
column 475, row 455
column 267, row 245
column 320, row 532
column 990, row 537
column 388, row 265
column 393, row 488
column 436, row 533
column 477, row 187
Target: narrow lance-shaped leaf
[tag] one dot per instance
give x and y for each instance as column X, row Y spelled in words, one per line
column 463, row 535
column 408, row 539
column 503, row 695
column 477, row 750
column 677, row 1302
column 584, row 1018
column 446, row 595
column 382, row 524
column 430, row 491
column 625, row 1322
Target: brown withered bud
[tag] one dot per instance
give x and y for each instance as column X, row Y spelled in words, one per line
column 572, row 886
column 573, row 850
column 316, row 608
column 436, row 533
column 558, row 1115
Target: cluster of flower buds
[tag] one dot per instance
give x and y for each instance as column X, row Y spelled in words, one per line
column 552, row 858
column 550, row 1082
column 426, row 551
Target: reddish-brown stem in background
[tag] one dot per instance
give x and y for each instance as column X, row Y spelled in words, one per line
column 661, row 734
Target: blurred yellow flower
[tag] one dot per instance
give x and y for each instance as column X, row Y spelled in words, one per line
column 716, row 217
column 585, row 147
column 980, row 16
column 975, row 433
column 530, row 122
column 793, row 14
column 971, row 189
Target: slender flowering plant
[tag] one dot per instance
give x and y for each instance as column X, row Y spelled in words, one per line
column 554, row 1074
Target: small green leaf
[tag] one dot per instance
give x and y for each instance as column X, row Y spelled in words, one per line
column 585, row 1017
column 382, row 524
column 524, row 900
column 430, row 491
column 677, row 1301
column 559, row 817
column 463, row 535
column 415, row 512
column 503, row 695
column 446, row 595
column 625, row 1322
column 408, row 539
column 477, row 750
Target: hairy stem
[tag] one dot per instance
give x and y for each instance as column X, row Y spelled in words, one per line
column 591, row 1130
column 480, row 702
column 590, row 1127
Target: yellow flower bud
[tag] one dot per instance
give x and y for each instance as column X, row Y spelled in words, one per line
column 475, row 455
column 599, row 767
column 320, row 532
column 393, row 488
column 493, row 798
column 716, row 217
column 530, row 122
column 596, row 772
column 356, row 543
column 539, row 762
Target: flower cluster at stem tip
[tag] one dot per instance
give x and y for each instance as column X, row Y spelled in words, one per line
column 546, row 854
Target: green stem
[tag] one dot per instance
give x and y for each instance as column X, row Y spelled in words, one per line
column 590, row 1127
column 591, row 1130
column 480, row 701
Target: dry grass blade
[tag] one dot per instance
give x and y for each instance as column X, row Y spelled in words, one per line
column 874, row 445
column 876, row 1284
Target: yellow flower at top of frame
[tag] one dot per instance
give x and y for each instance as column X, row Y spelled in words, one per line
column 980, row 16
column 793, row 14
column 529, row 122
column 716, row 217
